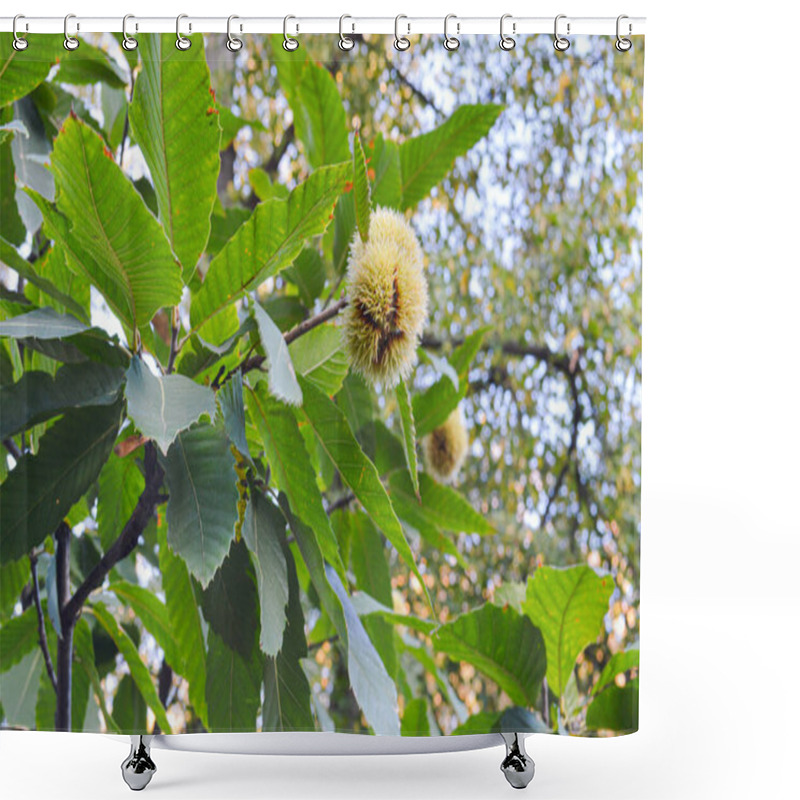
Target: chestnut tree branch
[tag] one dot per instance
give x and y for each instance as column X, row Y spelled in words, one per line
column 40, row 618
column 560, row 362
column 254, row 362
column 12, row 448
column 125, row 543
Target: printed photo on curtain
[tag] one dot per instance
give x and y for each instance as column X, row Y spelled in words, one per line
column 320, row 385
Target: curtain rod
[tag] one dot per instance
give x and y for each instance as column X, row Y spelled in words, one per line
column 352, row 25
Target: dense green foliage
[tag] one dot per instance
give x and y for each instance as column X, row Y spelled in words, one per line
column 234, row 529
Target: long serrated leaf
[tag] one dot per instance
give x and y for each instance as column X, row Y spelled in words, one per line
column 615, row 709
column 231, row 401
column 319, row 116
column 616, row 665
column 387, row 185
column 319, row 356
column 42, row 488
column 139, row 672
column 18, row 636
column 282, row 379
column 309, row 547
column 308, row 273
column 175, row 123
column 370, row 566
column 268, row 241
column 263, row 531
column 230, row 603
column 233, row 688
column 409, row 432
column 90, row 65
column 19, row 688
column 129, row 709
column 11, row 258
column 119, row 485
column 21, row 71
column 568, row 606
column 12, row 227
column 440, row 505
column 287, row 695
column 38, row 396
column 183, row 607
column 202, row 507
column 42, row 323
column 358, row 472
column 13, row 577
column 373, row 688
column 291, row 467
column 502, row 644
column 415, row 718
column 361, row 192
column 153, row 614
column 163, row 405
column 136, row 273
column 427, row 159
column 367, row 606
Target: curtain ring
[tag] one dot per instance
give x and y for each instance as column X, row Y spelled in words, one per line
column 345, row 42
column 181, row 42
column 451, row 43
column 401, row 43
column 128, row 42
column 18, row 44
column 560, row 42
column 507, row 42
column 70, row 42
column 623, row 44
column 233, row 44
column 290, row 44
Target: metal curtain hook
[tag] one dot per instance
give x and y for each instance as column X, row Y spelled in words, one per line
column 70, row 42
column 560, row 42
column 623, row 44
column 345, row 42
column 128, row 42
column 290, row 44
column 507, row 42
column 233, row 44
column 18, row 44
column 181, row 42
column 401, row 42
column 451, row 42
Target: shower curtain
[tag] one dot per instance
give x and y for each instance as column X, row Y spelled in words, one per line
column 320, row 385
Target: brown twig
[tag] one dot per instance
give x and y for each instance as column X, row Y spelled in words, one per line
column 63, row 717
column 306, row 325
column 330, row 639
column 40, row 618
column 342, row 502
column 558, row 361
column 577, row 416
column 255, row 362
column 417, row 92
column 271, row 165
column 173, row 341
column 127, row 540
column 12, row 448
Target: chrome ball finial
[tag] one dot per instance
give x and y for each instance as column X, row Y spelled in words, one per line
column 138, row 768
column 517, row 766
